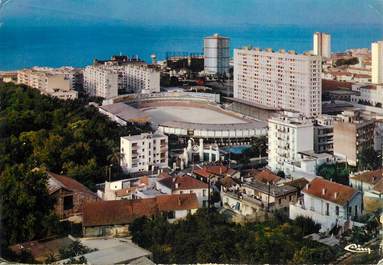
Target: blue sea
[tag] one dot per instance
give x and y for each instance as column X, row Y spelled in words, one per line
column 78, row 45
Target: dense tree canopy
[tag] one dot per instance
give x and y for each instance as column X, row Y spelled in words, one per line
column 39, row 132
column 337, row 172
column 205, row 238
column 66, row 137
column 369, row 159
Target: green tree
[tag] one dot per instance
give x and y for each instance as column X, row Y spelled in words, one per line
column 73, row 250
column 24, row 192
column 337, row 172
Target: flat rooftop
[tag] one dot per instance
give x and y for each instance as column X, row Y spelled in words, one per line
column 112, row 251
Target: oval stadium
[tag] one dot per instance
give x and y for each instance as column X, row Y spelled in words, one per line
column 185, row 115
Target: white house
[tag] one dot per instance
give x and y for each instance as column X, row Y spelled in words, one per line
column 184, row 185
column 328, row 203
column 369, row 182
column 126, row 189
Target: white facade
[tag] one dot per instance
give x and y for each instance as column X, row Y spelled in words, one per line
column 145, row 152
column 100, row 82
column 322, row 44
column 281, row 80
column 377, row 62
column 288, row 134
column 217, row 54
column 106, row 80
column 201, row 193
column 58, row 82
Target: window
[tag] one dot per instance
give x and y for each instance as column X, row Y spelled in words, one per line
column 171, row 215
column 327, row 209
column 204, row 193
column 337, row 210
column 68, row 203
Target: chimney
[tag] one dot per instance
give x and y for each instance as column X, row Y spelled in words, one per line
column 179, row 201
column 324, row 191
column 176, row 185
column 336, row 194
column 307, row 186
column 174, row 179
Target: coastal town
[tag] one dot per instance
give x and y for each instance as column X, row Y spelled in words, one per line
column 260, row 135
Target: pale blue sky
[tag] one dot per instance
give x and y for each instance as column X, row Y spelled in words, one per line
column 193, row 12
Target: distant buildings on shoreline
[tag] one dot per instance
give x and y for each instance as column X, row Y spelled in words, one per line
column 322, row 44
column 56, row 82
column 108, row 79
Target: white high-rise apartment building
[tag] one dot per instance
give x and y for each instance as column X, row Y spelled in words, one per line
column 377, row 62
column 288, row 134
column 100, row 81
column 217, row 54
column 106, row 80
column 322, row 44
column 144, row 152
column 281, row 80
column 56, row 82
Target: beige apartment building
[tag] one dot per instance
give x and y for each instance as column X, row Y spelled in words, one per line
column 281, row 80
column 108, row 80
column 56, row 82
column 352, row 133
column 322, row 44
column 377, row 62
column 144, row 152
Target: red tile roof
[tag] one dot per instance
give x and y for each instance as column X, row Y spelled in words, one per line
column 215, row 170
column 266, row 176
column 298, row 183
column 330, row 191
column 125, row 192
column 328, row 85
column 370, row 177
column 121, row 212
column 57, row 182
column 183, row 183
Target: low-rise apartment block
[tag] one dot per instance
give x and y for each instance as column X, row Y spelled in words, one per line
column 255, row 197
column 323, row 134
column 281, row 80
column 144, row 152
column 289, row 134
column 56, row 82
column 107, row 79
column 352, row 133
